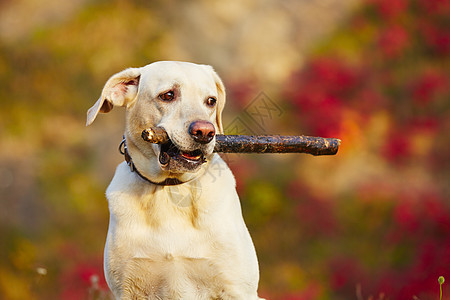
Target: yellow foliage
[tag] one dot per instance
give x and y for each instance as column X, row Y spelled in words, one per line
column 14, row 287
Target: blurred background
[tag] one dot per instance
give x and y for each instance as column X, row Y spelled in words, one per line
column 372, row 222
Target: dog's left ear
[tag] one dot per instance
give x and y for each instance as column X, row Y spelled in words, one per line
column 221, row 98
column 119, row 90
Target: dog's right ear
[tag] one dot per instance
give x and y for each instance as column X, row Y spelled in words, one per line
column 119, row 90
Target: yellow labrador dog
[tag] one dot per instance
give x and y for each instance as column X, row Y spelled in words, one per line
column 176, row 228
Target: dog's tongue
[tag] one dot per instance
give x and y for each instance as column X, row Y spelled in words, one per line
column 191, row 156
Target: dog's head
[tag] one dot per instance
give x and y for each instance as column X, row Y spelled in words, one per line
column 185, row 99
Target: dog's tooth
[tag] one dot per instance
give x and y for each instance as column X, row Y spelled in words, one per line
column 164, row 158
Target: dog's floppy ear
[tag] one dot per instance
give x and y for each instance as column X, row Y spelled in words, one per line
column 119, row 90
column 221, row 98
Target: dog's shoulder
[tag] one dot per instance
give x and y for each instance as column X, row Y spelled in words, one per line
column 126, row 189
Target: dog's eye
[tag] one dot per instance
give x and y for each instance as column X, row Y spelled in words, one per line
column 168, row 96
column 211, row 101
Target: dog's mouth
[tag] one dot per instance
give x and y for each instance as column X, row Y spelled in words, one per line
column 171, row 158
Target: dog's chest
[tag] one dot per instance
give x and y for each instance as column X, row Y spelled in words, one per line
column 157, row 226
column 168, row 240
column 157, row 245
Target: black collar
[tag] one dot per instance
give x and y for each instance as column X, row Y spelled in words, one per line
column 124, row 151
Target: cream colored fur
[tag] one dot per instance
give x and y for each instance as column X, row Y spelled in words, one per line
column 186, row 241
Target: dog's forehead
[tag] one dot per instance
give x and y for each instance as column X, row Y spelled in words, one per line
column 164, row 75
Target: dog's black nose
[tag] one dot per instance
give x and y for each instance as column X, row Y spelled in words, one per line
column 202, row 131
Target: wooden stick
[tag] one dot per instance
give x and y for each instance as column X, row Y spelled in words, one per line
column 259, row 143
column 155, row 135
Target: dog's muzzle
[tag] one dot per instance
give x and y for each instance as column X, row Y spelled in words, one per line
column 171, row 158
